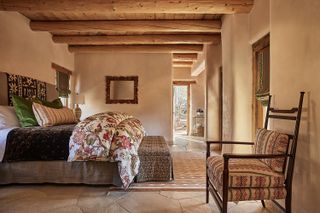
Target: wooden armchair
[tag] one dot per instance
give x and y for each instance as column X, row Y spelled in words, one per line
column 264, row 175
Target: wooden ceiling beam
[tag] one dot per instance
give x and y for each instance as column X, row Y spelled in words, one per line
column 183, row 60
column 186, row 63
column 167, row 48
column 138, row 39
column 184, row 56
column 146, row 26
column 185, row 82
column 130, row 6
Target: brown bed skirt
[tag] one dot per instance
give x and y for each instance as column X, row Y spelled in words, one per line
column 60, row 172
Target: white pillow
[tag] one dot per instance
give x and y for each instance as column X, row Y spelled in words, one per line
column 8, row 117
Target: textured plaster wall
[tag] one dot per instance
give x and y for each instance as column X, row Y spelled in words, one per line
column 155, row 76
column 29, row 53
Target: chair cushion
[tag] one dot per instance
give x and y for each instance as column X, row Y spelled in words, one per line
column 244, row 173
column 271, row 142
column 241, row 194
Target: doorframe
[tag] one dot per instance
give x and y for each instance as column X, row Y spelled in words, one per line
column 257, row 109
column 188, row 84
column 220, row 105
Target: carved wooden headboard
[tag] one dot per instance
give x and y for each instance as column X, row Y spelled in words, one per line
column 25, row 87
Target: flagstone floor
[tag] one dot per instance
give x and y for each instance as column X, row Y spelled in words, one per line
column 82, row 199
column 87, row 199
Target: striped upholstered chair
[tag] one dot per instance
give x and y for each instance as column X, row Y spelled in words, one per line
column 266, row 174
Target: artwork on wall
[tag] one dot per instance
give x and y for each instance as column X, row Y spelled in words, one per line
column 25, row 87
column 121, row 89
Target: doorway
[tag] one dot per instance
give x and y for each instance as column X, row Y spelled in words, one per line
column 181, row 109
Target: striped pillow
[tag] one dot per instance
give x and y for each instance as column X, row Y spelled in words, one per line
column 47, row 116
column 272, row 142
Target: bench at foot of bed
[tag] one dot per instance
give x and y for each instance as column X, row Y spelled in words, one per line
column 155, row 160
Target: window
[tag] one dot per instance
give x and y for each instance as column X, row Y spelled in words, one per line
column 261, row 80
column 62, row 82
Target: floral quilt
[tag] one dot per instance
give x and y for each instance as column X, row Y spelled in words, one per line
column 109, row 136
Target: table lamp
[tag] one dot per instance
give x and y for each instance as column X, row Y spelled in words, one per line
column 79, row 99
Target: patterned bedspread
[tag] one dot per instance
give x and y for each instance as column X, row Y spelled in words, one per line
column 110, row 136
column 38, row 143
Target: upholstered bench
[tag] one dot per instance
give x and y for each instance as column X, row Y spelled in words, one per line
column 155, row 160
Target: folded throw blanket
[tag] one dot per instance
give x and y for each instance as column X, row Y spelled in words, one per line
column 109, row 136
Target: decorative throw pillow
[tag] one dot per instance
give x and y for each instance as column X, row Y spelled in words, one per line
column 56, row 103
column 272, row 142
column 8, row 117
column 23, row 108
column 47, row 116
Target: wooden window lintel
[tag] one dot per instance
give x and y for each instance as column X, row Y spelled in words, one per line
column 59, row 68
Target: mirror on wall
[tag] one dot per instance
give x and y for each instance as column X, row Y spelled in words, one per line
column 121, row 89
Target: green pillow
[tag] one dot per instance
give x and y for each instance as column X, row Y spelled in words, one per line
column 56, row 103
column 23, row 108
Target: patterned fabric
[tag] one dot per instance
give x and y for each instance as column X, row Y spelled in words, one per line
column 110, row 136
column 241, row 194
column 25, row 87
column 155, row 158
column 271, row 142
column 47, row 116
column 243, row 173
column 38, row 143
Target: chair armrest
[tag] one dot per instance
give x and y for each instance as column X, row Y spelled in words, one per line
column 230, row 142
column 254, row 156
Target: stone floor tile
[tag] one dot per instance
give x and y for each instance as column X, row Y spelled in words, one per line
column 177, row 195
column 193, row 205
column 13, row 193
column 116, row 195
column 251, row 207
column 35, row 204
column 114, row 208
column 145, row 202
column 60, row 190
column 67, row 209
column 94, row 191
column 178, row 148
column 94, row 203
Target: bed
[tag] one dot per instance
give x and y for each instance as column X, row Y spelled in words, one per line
column 39, row 154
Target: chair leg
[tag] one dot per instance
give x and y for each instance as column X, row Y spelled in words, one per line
column 207, row 188
column 207, row 184
column 288, row 201
column 263, row 203
column 224, row 206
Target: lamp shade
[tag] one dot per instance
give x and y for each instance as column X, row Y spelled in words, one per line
column 79, row 99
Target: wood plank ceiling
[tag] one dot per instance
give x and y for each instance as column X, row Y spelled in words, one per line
column 180, row 27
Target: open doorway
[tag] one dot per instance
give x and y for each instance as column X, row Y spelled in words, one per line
column 181, row 109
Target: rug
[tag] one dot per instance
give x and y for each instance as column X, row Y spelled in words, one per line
column 189, row 170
